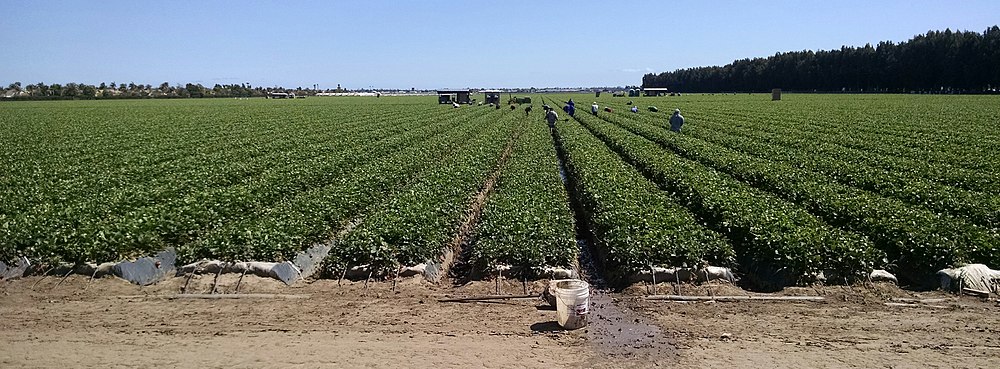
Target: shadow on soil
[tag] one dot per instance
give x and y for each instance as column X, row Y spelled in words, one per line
column 547, row 327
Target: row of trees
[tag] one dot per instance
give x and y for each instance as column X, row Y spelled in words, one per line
column 938, row 61
column 42, row 91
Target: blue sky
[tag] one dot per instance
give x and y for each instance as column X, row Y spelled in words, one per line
column 431, row 44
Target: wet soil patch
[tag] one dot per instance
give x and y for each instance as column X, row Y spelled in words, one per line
column 612, row 330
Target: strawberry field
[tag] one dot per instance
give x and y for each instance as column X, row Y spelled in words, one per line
column 818, row 185
column 786, row 192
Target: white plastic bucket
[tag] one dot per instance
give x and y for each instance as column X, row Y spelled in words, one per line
column 550, row 291
column 572, row 303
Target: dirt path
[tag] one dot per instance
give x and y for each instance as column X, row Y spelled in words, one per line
column 474, row 211
column 853, row 328
column 115, row 324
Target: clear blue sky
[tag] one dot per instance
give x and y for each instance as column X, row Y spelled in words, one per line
column 431, row 44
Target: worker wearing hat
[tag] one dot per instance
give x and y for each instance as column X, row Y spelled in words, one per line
column 676, row 121
column 593, row 108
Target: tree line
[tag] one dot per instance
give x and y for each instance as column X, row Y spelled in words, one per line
column 56, row 91
column 939, row 61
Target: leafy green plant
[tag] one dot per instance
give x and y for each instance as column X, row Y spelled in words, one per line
column 527, row 221
column 776, row 242
column 636, row 224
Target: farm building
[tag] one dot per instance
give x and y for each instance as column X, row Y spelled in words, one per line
column 491, row 96
column 655, row 91
column 447, row 96
column 12, row 93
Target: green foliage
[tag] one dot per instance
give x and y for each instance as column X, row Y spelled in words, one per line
column 527, row 220
column 935, row 62
column 636, row 224
column 839, row 184
column 421, row 218
column 775, row 241
column 914, row 174
column 98, row 181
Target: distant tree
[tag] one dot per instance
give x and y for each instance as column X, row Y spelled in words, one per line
column 195, row 90
column 88, row 91
column 71, row 90
column 935, row 61
column 132, row 90
column 42, row 89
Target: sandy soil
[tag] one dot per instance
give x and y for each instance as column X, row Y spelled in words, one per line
column 853, row 328
column 110, row 323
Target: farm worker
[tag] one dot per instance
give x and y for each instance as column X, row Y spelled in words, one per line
column 551, row 117
column 570, row 109
column 527, row 110
column 676, row 121
column 635, row 109
column 594, row 108
column 454, row 104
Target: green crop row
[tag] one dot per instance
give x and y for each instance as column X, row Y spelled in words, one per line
column 776, row 242
column 179, row 218
column 951, row 132
column 150, row 197
column 971, row 171
column 636, row 225
column 842, row 165
column 316, row 214
column 918, row 242
column 527, row 221
column 415, row 224
column 156, row 160
column 786, row 189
